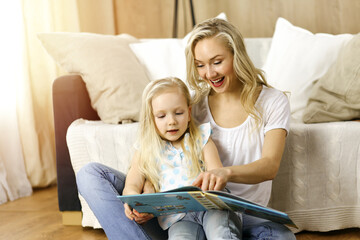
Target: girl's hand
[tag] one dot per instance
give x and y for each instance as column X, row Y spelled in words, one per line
column 214, row 179
column 132, row 214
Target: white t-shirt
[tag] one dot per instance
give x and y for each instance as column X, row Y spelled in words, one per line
column 242, row 144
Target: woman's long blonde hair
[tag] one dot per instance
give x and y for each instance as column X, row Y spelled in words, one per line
column 251, row 78
column 152, row 145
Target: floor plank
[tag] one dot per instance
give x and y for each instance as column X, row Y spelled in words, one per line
column 37, row 218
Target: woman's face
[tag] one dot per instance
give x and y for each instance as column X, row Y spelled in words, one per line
column 214, row 63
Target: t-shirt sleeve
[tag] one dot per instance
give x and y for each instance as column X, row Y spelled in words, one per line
column 205, row 130
column 277, row 113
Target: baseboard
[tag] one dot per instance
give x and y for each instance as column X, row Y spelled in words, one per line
column 72, row 218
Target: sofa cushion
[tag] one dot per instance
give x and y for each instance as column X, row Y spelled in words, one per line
column 162, row 57
column 257, row 49
column 297, row 58
column 114, row 77
column 336, row 96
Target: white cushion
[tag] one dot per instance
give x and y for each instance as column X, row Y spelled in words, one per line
column 257, row 49
column 297, row 58
column 162, row 57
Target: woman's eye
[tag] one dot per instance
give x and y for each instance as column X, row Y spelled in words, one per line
column 217, row 62
column 179, row 113
column 199, row 65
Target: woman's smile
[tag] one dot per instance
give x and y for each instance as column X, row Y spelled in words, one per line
column 218, row 82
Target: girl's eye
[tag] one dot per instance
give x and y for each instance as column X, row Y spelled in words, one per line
column 179, row 113
column 160, row 116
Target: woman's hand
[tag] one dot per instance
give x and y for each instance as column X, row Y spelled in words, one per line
column 214, row 179
column 132, row 214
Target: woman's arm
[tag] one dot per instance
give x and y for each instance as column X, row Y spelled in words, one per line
column 258, row 171
column 212, row 161
column 267, row 166
column 211, row 155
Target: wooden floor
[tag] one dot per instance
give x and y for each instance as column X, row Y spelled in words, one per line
column 37, row 218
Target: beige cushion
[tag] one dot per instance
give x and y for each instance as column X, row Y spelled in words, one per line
column 114, row 78
column 336, row 95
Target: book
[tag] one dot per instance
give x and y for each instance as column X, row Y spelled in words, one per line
column 191, row 198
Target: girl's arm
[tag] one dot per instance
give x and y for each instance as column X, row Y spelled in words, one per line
column 134, row 184
column 258, row 171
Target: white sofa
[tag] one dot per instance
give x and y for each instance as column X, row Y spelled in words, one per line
column 318, row 180
column 317, row 184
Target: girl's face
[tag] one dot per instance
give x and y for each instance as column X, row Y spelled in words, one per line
column 171, row 114
column 214, row 63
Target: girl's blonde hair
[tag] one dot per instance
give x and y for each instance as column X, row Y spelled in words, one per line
column 152, row 145
column 251, row 78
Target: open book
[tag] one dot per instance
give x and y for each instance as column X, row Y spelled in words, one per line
column 191, row 199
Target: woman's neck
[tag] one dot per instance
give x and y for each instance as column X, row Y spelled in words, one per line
column 226, row 108
column 228, row 96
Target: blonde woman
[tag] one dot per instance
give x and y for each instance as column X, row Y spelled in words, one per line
column 249, row 119
column 171, row 153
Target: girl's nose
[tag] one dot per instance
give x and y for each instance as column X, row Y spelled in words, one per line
column 172, row 120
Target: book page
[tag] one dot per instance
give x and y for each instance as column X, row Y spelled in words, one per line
column 208, row 203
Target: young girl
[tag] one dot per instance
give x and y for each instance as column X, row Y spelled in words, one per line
column 172, row 153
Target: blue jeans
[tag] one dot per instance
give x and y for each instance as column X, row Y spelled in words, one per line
column 99, row 185
column 212, row 224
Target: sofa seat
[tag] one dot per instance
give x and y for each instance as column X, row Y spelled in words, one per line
column 317, row 183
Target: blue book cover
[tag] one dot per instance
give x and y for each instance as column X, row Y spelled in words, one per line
column 187, row 199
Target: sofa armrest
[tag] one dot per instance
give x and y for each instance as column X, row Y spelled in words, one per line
column 70, row 102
